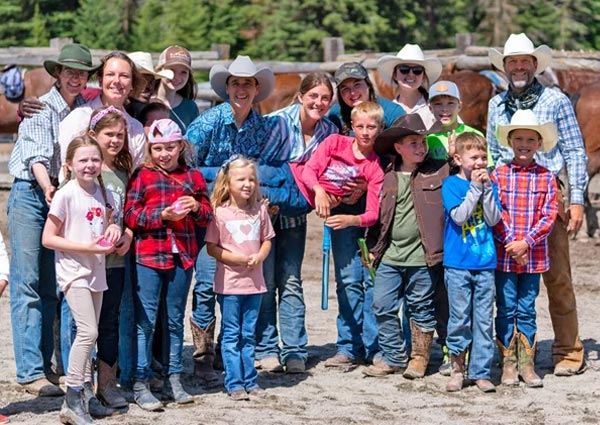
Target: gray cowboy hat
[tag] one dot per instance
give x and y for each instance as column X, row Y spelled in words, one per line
column 242, row 66
column 76, row 56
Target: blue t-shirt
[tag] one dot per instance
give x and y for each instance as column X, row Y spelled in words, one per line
column 470, row 246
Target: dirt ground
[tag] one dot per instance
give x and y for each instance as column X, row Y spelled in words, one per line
column 324, row 396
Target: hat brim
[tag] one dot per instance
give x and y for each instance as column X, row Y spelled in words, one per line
column 219, row 75
column 163, row 73
column 387, row 64
column 384, row 144
column 547, row 131
column 50, row 66
column 542, row 53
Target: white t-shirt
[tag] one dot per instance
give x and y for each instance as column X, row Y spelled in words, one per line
column 82, row 216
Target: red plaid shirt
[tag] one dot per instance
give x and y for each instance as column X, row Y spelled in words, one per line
column 529, row 209
column 148, row 193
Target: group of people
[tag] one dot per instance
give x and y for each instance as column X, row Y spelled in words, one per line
column 121, row 193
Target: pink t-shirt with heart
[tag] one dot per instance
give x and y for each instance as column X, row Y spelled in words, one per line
column 243, row 232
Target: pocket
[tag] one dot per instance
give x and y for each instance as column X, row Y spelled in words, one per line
column 432, row 191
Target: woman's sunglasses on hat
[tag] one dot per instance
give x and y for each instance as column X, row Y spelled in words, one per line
column 405, row 69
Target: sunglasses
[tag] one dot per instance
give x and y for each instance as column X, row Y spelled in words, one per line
column 416, row 70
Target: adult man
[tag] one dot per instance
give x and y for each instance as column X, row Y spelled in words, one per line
column 522, row 62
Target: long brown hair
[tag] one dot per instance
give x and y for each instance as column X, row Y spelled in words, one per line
column 312, row 80
column 346, row 110
column 123, row 160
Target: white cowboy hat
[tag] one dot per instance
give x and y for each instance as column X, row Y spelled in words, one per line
column 520, row 44
column 143, row 62
column 526, row 119
column 242, row 66
column 410, row 53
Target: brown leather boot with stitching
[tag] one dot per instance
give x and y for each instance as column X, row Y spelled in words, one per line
column 508, row 361
column 419, row 357
column 526, row 363
column 457, row 375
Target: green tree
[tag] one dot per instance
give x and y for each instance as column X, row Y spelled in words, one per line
column 99, row 24
column 39, row 35
column 149, row 27
column 498, row 21
column 14, row 29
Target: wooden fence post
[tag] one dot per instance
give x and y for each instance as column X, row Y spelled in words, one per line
column 462, row 42
column 332, row 48
column 222, row 50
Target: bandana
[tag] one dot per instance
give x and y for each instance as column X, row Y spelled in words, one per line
column 524, row 100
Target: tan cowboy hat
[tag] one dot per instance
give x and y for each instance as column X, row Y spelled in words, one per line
column 76, row 56
column 525, row 119
column 143, row 62
column 410, row 53
column 520, row 44
column 404, row 126
column 242, row 66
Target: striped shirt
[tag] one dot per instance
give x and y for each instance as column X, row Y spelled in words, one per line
column 38, row 137
column 287, row 132
column 555, row 107
column 528, row 196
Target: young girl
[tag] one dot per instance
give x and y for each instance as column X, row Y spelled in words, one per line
column 80, row 230
column 179, row 92
column 239, row 239
column 109, row 127
column 166, row 200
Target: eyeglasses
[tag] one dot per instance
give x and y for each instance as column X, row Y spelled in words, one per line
column 75, row 73
column 405, row 69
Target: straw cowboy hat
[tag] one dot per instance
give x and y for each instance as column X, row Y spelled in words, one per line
column 404, row 126
column 520, row 44
column 410, row 53
column 242, row 66
column 76, row 56
column 143, row 62
column 525, row 119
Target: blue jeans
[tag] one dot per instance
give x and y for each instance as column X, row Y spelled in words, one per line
column 33, row 290
column 282, row 272
column 203, row 302
column 149, row 288
column 471, row 301
column 356, row 326
column 68, row 331
column 395, row 285
column 127, row 327
column 240, row 313
column 515, row 304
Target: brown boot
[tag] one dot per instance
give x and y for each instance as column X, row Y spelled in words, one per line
column 204, row 352
column 419, row 357
column 458, row 372
column 508, row 361
column 107, row 390
column 526, row 356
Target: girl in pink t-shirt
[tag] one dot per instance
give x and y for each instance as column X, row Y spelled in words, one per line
column 239, row 239
column 80, row 229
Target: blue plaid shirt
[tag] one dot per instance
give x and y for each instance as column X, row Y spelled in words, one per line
column 38, row 137
column 556, row 107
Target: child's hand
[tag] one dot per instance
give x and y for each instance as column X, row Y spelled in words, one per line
column 451, row 143
column 171, row 213
column 272, row 210
column 101, row 245
column 254, row 261
column 521, row 260
column 480, row 175
column 322, row 204
column 357, row 189
column 516, row 248
column 186, row 203
column 123, row 244
column 112, row 234
column 371, row 259
column 341, row 221
column 3, row 285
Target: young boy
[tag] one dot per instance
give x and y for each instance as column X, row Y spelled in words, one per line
column 406, row 246
column 444, row 102
column 528, row 193
column 472, row 208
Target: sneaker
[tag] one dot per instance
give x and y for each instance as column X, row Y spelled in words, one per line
column 239, row 395
column 269, row 364
column 295, row 366
column 339, row 360
column 258, row 393
column 43, row 388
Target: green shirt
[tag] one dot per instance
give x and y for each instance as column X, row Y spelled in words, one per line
column 405, row 247
column 116, row 183
column 438, row 143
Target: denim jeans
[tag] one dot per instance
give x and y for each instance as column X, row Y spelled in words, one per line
column 203, row 301
column 68, row 331
column 282, row 272
column 396, row 285
column 356, row 326
column 471, row 300
column 148, row 293
column 127, row 327
column 108, row 326
column 240, row 313
column 33, row 290
column 515, row 304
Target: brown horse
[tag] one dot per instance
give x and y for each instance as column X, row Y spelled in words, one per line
column 37, row 82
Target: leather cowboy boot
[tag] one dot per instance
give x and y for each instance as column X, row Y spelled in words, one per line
column 419, row 357
column 457, row 375
column 526, row 356
column 204, row 352
column 107, row 390
column 508, row 361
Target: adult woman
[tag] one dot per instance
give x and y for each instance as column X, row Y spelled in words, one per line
column 354, row 87
column 35, row 164
column 304, row 126
column 232, row 127
column 179, row 92
column 411, row 73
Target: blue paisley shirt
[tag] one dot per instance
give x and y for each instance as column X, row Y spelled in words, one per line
column 215, row 136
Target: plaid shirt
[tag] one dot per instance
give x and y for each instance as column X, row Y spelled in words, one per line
column 151, row 191
column 529, row 209
column 556, row 107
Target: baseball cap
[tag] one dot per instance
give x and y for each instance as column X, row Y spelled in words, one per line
column 164, row 131
column 175, row 55
column 444, row 88
column 350, row 70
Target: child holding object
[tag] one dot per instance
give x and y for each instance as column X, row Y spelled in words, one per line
column 239, row 239
column 528, row 193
